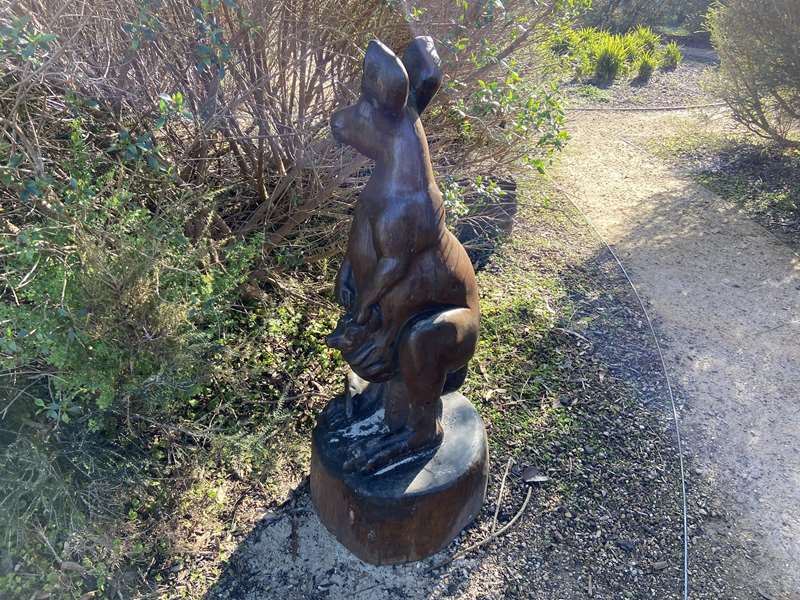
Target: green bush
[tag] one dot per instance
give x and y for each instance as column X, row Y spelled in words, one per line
column 642, row 40
column 645, row 66
column 671, row 57
column 605, row 56
column 575, row 48
column 120, row 305
column 610, row 55
column 759, row 74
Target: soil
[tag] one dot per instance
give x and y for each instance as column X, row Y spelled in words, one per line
column 725, row 293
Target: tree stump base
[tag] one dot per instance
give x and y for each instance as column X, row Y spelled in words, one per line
column 411, row 509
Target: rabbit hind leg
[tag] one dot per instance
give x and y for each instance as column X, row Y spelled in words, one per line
column 429, row 350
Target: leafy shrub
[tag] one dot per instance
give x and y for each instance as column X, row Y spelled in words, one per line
column 671, row 57
column 575, row 48
column 610, row 56
column 759, row 75
column 645, row 66
column 605, row 55
column 113, row 306
column 642, row 40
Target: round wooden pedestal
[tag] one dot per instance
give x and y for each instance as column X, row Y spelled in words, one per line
column 409, row 510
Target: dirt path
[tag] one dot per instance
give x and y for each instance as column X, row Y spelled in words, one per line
column 726, row 295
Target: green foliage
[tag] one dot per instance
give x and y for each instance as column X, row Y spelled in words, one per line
column 533, row 120
column 454, row 203
column 645, row 66
column 575, row 48
column 121, row 323
column 610, row 54
column 111, row 301
column 642, row 40
column 606, row 56
column 759, row 74
column 21, row 41
column 671, row 57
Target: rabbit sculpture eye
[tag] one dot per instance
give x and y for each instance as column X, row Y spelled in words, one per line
column 406, row 283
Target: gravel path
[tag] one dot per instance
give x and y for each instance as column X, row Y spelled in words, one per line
column 725, row 292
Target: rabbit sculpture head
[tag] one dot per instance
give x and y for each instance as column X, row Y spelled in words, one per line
column 393, row 95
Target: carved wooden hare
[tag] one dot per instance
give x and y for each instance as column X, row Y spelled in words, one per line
column 406, row 282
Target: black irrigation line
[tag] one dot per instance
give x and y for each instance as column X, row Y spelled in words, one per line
column 675, row 419
column 644, row 108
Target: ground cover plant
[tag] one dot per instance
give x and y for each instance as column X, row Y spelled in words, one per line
column 171, row 209
column 603, row 57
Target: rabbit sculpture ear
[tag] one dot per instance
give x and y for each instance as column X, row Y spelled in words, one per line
column 385, row 79
column 424, row 71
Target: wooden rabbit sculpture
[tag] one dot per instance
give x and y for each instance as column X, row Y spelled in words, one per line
column 407, row 284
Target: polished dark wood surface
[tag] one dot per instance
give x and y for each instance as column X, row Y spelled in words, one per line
column 406, row 283
column 399, row 461
column 413, row 508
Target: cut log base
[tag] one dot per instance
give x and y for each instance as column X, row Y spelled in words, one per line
column 406, row 511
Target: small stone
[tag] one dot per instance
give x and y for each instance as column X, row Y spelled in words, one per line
column 533, row 475
column 627, row 545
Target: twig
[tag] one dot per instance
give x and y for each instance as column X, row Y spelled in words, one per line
column 575, row 333
column 487, row 539
column 500, row 495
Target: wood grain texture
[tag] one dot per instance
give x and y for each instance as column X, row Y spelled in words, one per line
column 410, row 510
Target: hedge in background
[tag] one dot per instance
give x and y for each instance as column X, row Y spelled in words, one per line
column 759, row 75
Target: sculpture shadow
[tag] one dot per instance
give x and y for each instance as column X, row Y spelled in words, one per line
column 290, row 555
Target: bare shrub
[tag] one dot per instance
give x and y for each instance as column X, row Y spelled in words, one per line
column 759, row 75
column 236, row 95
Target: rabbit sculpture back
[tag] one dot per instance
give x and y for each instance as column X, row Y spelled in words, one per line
column 406, row 283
